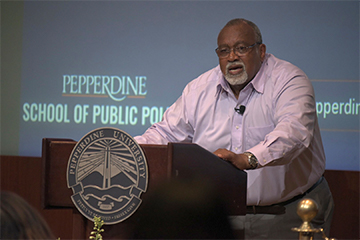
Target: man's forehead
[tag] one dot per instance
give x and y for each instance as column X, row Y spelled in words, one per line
column 236, row 34
column 238, row 43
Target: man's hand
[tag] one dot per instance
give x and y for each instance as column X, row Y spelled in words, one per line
column 238, row 160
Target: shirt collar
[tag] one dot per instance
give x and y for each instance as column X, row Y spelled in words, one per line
column 221, row 84
column 258, row 82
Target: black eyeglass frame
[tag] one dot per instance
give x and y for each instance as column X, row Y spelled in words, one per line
column 239, row 51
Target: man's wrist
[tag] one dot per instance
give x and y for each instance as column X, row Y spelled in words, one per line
column 253, row 162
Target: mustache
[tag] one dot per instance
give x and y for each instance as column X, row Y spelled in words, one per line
column 234, row 64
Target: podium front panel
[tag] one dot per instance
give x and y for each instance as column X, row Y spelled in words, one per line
column 193, row 161
column 55, row 156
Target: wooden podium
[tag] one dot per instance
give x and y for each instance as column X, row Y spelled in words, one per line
column 175, row 160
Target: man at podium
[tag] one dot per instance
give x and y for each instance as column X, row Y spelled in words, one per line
column 257, row 112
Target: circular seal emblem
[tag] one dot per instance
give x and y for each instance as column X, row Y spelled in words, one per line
column 107, row 172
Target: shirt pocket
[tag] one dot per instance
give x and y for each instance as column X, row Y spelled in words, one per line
column 255, row 135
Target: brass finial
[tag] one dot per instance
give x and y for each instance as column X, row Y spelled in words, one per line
column 307, row 209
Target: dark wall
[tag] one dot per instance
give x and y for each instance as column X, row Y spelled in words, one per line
column 11, row 47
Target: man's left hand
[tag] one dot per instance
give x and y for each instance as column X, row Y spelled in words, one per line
column 238, row 160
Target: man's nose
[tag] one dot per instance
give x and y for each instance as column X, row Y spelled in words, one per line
column 232, row 55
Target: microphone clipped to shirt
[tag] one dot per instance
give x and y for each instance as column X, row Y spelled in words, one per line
column 240, row 110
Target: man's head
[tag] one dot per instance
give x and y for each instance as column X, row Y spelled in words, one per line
column 241, row 51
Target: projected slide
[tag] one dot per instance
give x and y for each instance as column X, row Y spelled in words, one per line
column 89, row 64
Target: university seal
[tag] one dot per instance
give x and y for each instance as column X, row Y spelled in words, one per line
column 107, row 172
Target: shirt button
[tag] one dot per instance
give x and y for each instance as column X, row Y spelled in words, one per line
column 236, row 148
column 237, row 127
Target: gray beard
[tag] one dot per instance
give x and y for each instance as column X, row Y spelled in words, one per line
column 236, row 79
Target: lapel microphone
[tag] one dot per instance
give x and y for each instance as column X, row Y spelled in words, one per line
column 240, row 110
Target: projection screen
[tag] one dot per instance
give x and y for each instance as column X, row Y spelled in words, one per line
column 89, row 64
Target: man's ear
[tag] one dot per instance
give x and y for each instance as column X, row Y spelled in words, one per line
column 262, row 49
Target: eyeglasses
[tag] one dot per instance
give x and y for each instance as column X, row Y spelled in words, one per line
column 239, row 50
